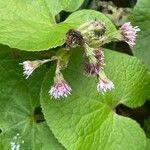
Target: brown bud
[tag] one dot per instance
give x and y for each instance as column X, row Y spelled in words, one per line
column 74, row 39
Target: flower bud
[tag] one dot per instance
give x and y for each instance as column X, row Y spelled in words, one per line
column 74, row 39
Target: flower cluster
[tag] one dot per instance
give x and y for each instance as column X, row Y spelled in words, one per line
column 93, row 66
column 93, row 57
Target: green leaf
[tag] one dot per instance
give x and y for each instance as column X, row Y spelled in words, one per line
column 141, row 18
column 18, row 100
column 86, row 120
column 22, row 26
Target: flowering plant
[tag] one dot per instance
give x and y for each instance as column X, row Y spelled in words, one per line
column 63, row 83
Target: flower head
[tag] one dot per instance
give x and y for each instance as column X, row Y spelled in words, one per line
column 104, row 84
column 129, row 33
column 30, row 66
column 60, row 88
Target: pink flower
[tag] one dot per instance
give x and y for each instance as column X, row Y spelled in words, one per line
column 29, row 67
column 60, row 89
column 104, row 84
column 129, row 33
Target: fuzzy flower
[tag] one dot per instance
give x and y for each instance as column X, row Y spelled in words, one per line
column 129, row 33
column 60, row 88
column 30, row 66
column 94, row 63
column 104, row 84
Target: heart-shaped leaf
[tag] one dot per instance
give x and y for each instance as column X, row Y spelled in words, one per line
column 86, row 119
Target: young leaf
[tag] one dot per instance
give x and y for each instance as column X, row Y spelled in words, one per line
column 20, row 122
column 141, row 18
column 85, row 119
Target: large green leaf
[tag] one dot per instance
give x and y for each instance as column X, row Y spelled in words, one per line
column 141, row 18
column 18, row 100
column 86, row 120
column 25, row 25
